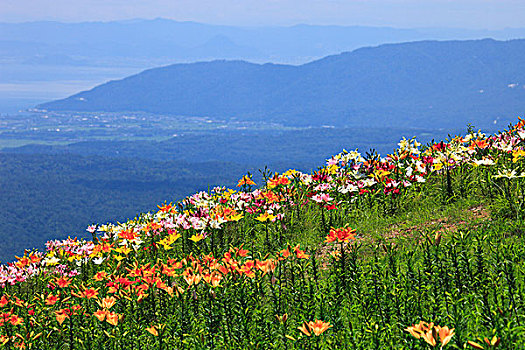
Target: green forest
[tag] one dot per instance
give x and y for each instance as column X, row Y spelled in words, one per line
column 47, row 197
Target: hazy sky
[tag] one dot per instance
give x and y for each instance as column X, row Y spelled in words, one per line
column 490, row 14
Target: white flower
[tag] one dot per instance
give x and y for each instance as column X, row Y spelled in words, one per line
column 306, row 179
column 420, row 178
column 354, row 155
column 404, row 144
column 509, row 174
column 99, row 260
column 484, row 161
column 348, row 188
column 80, row 262
column 51, row 261
column 369, row 182
column 216, row 224
column 420, row 167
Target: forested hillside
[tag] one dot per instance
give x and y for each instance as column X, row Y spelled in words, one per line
column 420, row 84
column 47, row 197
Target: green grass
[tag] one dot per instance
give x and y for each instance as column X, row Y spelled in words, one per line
column 265, row 269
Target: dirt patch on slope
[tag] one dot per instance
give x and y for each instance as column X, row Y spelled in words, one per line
column 472, row 218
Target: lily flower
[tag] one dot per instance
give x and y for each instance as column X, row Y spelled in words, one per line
column 319, row 327
column 100, row 314
column 196, row 238
column 107, row 302
column 431, row 334
column 340, row 235
column 304, row 328
column 265, row 217
column 112, row 318
column 152, row 330
column 509, row 174
column 316, row 327
column 245, row 180
column 300, row 253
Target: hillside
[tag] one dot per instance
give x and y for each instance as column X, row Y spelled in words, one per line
column 55, row 196
column 300, row 149
column 410, row 84
column 423, row 248
column 143, row 172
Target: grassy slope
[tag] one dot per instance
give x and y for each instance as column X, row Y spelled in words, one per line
column 453, row 255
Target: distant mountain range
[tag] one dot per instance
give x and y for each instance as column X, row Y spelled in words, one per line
column 47, row 60
column 145, row 43
column 418, row 84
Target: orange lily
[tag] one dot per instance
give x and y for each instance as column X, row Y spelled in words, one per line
column 430, row 336
column 445, row 334
column 107, row 302
column 278, row 180
column 127, row 235
column 99, row 276
column 245, row 180
column 15, row 320
column 430, row 333
column 300, row 253
column 166, row 208
column 419, row 329
column 63, row 282
column 152, row 330
column 304, row 329
column 90, row 293
column 100, row 314
column 51, row 299
column 61, row 315
column 112, row 318
column 319, row 327
column 478, row 144
column 340, row 235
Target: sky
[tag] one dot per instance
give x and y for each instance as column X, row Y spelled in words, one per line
column 475, row 14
